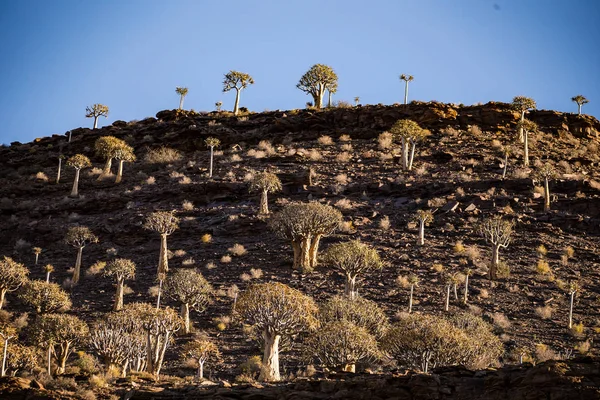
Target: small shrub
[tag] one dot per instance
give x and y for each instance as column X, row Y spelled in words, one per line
column 543, row 268
column 569, row 252
column 544, row 312
column 341, row 179
column 384, row 223
column 256, row 153
column 541, row 250
column 459, row 248
column 325, row 140
column 187, row 205
column 210, row 265
column 96, row 268
column 256, row 273
column 500, row 320
column 343, row 157
column 345, row 138
column 544, row 353
column 226, row 259
column 41, row 176
column 245, row 277
column 237, row 250
column 151, row 180
column 577, row 329
column 385, row 140
column 206, row 238
column 97, row 382
column 343, row 204
column 162, row 155
column 314, row 155
column 583, row 347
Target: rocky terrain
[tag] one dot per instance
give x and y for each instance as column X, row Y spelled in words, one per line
column 457, row 174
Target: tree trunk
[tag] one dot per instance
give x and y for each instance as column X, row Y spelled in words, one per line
column 505, row 166
column 314, row 250
column 69, row 137
column 4, row 355
column 185, row 315
column 62, row 359
column 124, row 369
column 319, row 101
column 421, row 232
column 329, row 100
column 48, row 277
column 2, row 296
column 521, row 128
column 455, row 289
column 264, row 203
column 77, row 269
column 404, row 155
column 410, row 298
column 236, row 107
column 210, row 169
column 160, row 283
column 447, row 298
column 526, row 150
column 37, row 256
column 75, row 190
column 119, row 296
column 350, row 287
column 350, row 368
column 304, row 261
column 161, row 355
column 413, row 145
column 297, row 250
column 95, row 122
column 163, row 259
column 578, row 109
column 149, row 358
column 405, row 92
column 571, row 310
column 270, row 370
column 50, row 361
column 466, row 288
column 546, row 195
column 59, row 170
column 180, row 101
column 200, row 369
column 120, row 172
column 106, row 169
column 493, row 275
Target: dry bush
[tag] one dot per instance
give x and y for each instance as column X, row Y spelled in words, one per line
column 344, row 204
column 543, row 268
column 541, row 250
column 325, row 140
column 385, row 140
column 583, row 347
column 544, row 353
column 206, row 238
column 459, row 248
column 496, row 144
column 437, row 267
column 235, row 158
column 226, row 259
column 577, row 330
column 211, row 265
column 41, row 176
column 179, row 253
column 569, row 252
column 346, row 147
column 385, row 157
column 256, row 273
column 151, row 180
column 245, row 277
column 345, row 138
column 422, row 170
column 500, row 320
column 96, row 268
column 343, row 157
column 341, row 179
column 475, row 130
column 484, row 294
column 187, row 205
column 347, row 227
column 544, row 312
column 267, row 147
column 521, row 173
column 473, row 253
column 237, row 250
column 256, row 153
column 384, row 223
column 162, row 155
column 314, row 155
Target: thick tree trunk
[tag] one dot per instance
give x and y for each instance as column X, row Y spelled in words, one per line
column 329, row 100
column 404, row 154
column 160, row 283
column 180, row 102
column 405, row 92
column 297, row 250
column 447, row 298
column 77, row 269
column 75, row 190
column 421, row 232
column 526, row 150
column 571, row 310
column 314, row 250
column 124, row 369
column 304, row 260
column 2, row 296
column 119, row 172
column 546, row 195
column 106, row 169
column 505, row 166
column 4, row 355
column 210, row 169
column 493, row 273
column 119, row 296
column 412, row 155
column 62, row 359
column 95, row 122
column 59, row 170
column 48, row 277
column 410, row 298
column 200, row 369
column 270, row 370
column 185, row 315
column 163, row 259
column 466, row 288
column 350, row 368
column 350, row 287
column 236, row 107
column 37, row 256
column 161, row 355
column 455, row 289
column 264, row 203
column 578, row 109
column 319, row 101
column 149, row 353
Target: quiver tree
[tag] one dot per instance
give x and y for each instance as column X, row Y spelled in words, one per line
column 201, row 349
column 12, row 276
column 265, row 182
column 59, row 333
column 330, row 91
column 342, row 344
column 410, row 133
column 498, row 233
column 120, row 269
column 165, row 223
column 544, row 174
column 483, row 348
column 37, row 251
column 78, row 161
column 316, row 81
column 48, row 269
column 406, row 79
column 523, row 104
column 7, row 332
column 218, row 106
column 44, row 297
column 182, row 92
column 507, row 151
column 238, row 81
column 352, row 259
column 360, row 311
column 211, row 143
column 123, row 154
column 304, row 224
column 580, row 100
column 95, row 111
column 105, row 147
column 60, row 159
column 18, row 357
column 79, row 237
column 572, row 289
column 527, row 127
column 276, row 310
column 356, row 101
column 159, row 326
column 467, row 273
column 191, row 289
column 423, row 218
column 411, row 282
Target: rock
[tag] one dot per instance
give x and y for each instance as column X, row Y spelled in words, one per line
column 471, row 208
column 36, row 384
column 450, row 206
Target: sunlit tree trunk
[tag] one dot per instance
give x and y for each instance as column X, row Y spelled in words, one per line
column 48, row 277
column 413, row 145
column 106, row 169
column 526, row 150
column 120, row 172
column 119, row 296
column 210, row 169
column 521, row 139
column 410, row 298
column 4, row 355
column 314, row 249
column 350, row 287
column 201, row 369
column 404, row 154
column 59, row 170
column 578, row 109
column 96, row 122
column 447, row 298
column 49, row 359
column 77, row 269
column 180, row 101
column 163, row 259
column 2, row 296
column 493, row 273
column 505, row 165
column 236, row 107
column 304, row 260
column 466, row 288
column 571, row 309
column 75, row 190
column 185, row 315
column 297, row 250
column 270, row 370
column 421, row 232
column 62, row 358
column 329, row 100
column 160, row 283
column 406, row 92
column 264, row 203
column 546, row 195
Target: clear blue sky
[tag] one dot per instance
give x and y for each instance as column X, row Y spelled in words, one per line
column 57, row 57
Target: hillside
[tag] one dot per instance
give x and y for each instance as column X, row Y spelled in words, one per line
column 457, row 174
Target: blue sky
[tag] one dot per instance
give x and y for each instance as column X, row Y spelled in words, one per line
column 57, row 57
